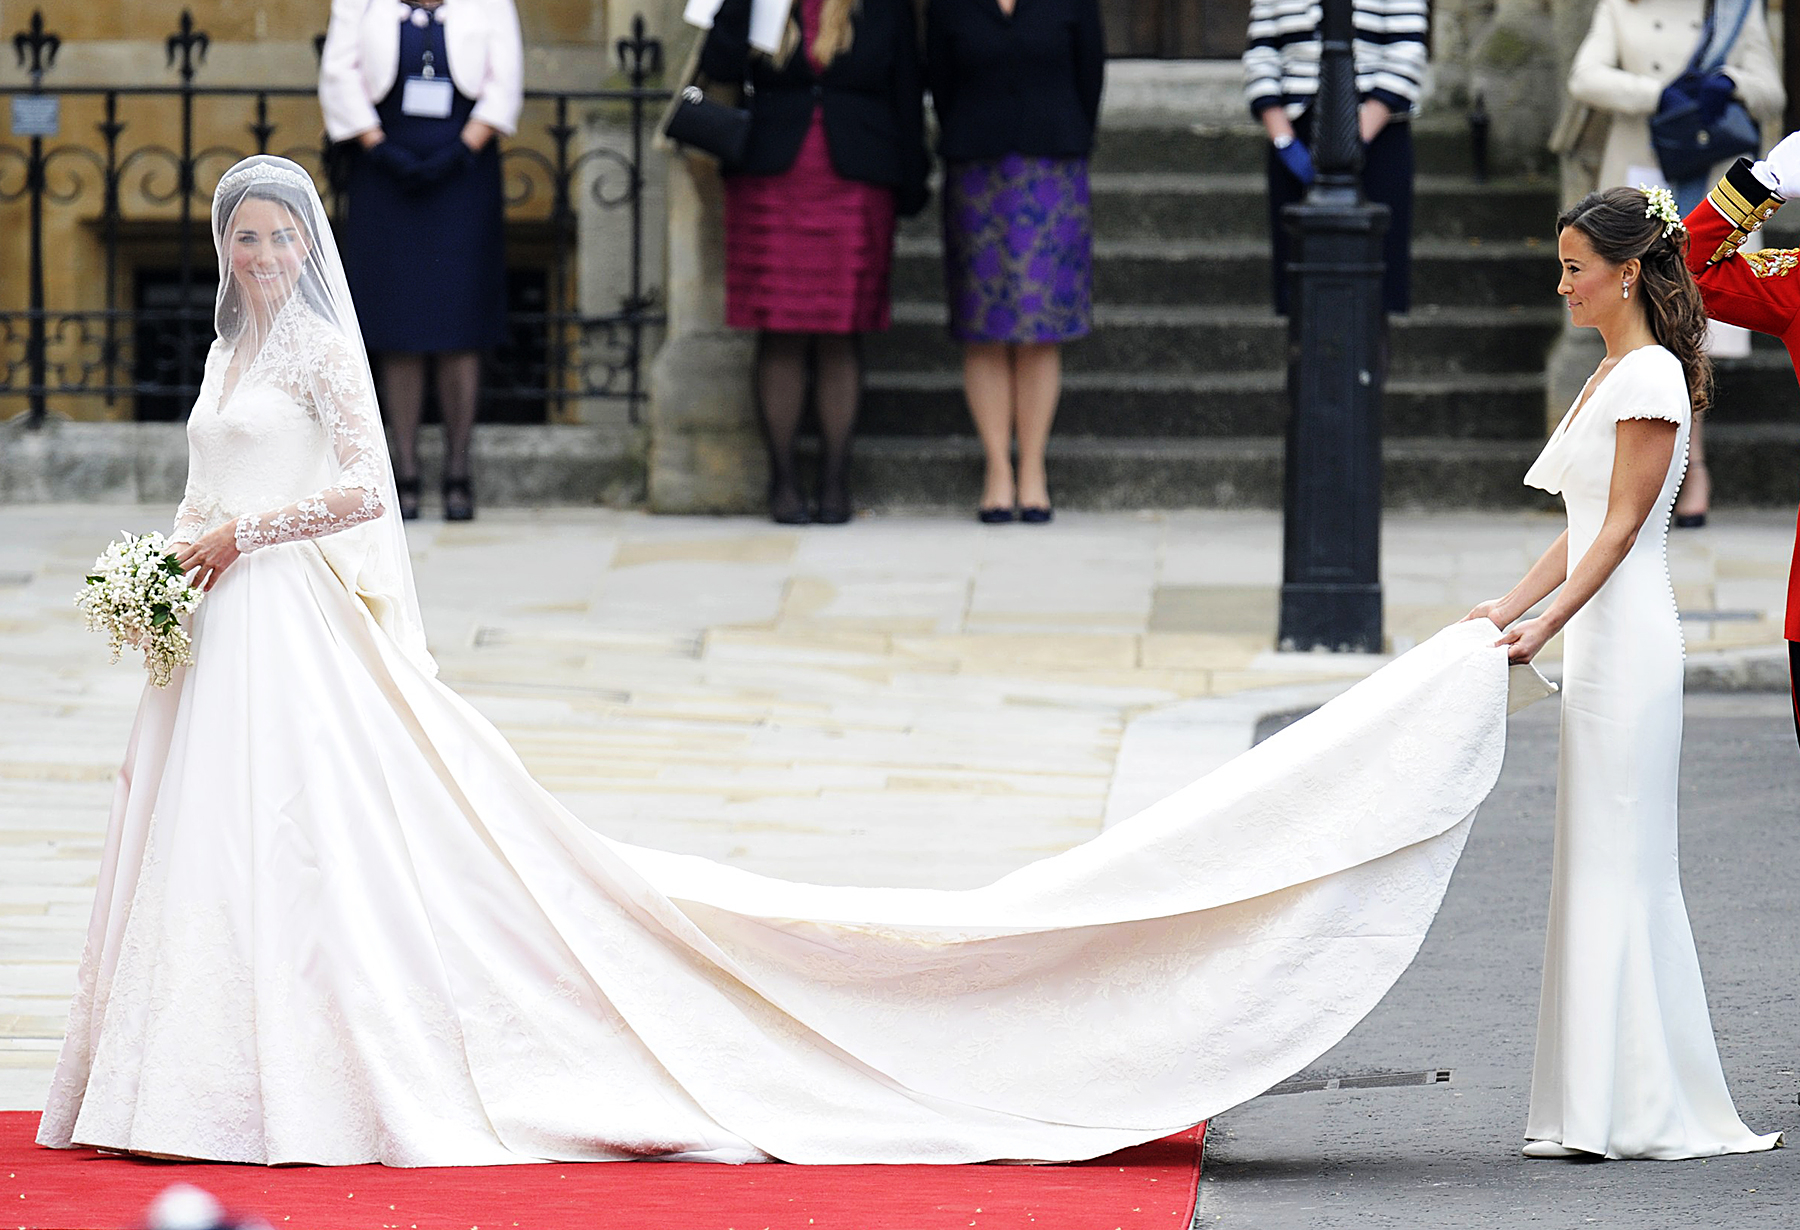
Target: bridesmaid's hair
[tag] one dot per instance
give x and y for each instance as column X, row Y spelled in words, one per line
column 1617, row 225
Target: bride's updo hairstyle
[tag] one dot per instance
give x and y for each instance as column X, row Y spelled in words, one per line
column 1618, row 228
column 277, row 184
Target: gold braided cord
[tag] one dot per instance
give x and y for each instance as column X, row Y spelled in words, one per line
column 1746, row 219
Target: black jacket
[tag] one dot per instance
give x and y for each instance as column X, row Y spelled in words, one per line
column 1025, row 84
column 873, row 97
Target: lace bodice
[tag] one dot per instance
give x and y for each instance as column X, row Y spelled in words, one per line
column 292, row 450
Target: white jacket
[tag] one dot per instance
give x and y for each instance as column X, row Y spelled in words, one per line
column 362, row 59
column 1636, row 47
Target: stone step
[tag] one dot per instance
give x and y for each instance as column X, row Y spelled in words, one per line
column 1173, row 340
column 1163, row 205
column 1187, row 271
column 122, row 462
column 1440, row 147
column 1753, row 465
column 1253, row 404
column 1759, row 389
column 1185, row 473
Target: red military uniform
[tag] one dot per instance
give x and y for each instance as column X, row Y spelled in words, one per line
column 1760, row 291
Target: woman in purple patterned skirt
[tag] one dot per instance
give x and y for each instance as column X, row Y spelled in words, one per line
column 1017, row 93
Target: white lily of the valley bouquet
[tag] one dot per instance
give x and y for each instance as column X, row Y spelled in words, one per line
column 137, row 594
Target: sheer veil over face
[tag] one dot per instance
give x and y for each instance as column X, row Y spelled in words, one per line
column 284, row 316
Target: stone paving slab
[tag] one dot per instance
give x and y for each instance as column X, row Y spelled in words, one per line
column 907, row 700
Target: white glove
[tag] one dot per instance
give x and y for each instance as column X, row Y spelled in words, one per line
column 1780, row 171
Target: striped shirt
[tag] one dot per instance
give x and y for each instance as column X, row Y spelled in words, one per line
column 1281, row 63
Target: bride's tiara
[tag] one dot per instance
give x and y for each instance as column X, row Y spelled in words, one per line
column 1659, row 203
column 290, row 175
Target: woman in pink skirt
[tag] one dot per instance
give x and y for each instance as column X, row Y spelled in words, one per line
column 836, row 150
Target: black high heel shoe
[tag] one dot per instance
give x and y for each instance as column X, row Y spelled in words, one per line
column 786, row 507
column 834, row 507
column 407, row 491
column 459, row 499
column 994, row 516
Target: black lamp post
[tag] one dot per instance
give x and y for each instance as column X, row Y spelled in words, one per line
column 1337, row 351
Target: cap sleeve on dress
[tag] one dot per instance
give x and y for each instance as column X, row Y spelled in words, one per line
column 1654, row 386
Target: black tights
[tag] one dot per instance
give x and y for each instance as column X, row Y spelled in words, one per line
column 781, row 369
column 403, row 404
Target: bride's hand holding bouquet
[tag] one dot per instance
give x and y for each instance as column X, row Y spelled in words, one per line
column 137, row 595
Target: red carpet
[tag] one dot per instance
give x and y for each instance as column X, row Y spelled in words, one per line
column 1150, row 1186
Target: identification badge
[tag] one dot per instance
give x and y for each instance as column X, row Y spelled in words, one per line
column 427, row 97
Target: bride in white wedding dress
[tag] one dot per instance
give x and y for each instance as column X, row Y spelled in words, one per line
column 337, row 922
column 1626, row 1063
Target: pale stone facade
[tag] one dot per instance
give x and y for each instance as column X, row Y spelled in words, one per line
column 699, row 446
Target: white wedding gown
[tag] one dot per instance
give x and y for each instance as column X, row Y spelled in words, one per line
column 337, row 921
column 1626, row 1064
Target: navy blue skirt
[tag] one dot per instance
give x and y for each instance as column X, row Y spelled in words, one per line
column 427, row 269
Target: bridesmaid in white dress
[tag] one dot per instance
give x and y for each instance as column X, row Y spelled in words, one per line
column 1626, row 1064
column 337, row 922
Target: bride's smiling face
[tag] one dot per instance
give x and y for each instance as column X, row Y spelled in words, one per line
column 268, row 247
column 1592, row 285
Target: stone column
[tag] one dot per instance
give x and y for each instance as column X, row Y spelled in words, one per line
column 1517, row 68
column 1578, row 351
column 706, row 451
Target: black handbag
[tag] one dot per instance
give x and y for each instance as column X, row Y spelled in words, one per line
column 706, row 124
column 708, row 116
column 1689, row 137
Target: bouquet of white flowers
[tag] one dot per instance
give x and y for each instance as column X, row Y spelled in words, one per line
column 137, row 594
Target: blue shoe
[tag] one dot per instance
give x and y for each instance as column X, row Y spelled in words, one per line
column 994, row 516
column 1036, row 516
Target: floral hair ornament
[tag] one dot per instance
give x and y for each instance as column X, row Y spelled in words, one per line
column 1659, row 203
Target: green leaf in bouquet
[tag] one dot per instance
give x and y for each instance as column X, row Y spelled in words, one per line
column 172, row 566
column 94, row 580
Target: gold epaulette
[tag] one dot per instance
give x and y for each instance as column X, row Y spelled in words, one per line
column 1745, row 203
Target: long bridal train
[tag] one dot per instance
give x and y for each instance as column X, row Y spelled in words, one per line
column 418, row 957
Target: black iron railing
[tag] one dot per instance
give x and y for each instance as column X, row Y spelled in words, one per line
column 126, row 167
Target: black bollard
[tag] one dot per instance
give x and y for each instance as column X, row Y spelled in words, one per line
column 1337, row 352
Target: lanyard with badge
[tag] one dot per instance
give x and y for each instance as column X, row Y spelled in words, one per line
column 427, row 96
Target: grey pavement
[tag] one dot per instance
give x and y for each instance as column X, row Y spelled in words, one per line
column 1447, row 1155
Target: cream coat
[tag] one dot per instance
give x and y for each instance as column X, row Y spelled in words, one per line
column 362, row 58
column 1637, row 47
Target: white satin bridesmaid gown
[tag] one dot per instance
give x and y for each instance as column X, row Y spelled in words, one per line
column 1626, row 1064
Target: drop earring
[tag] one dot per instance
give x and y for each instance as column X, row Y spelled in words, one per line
column 1624, row 288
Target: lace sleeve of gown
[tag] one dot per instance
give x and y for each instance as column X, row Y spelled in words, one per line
column 190, row 514
column 188, row 518
column 339, row 395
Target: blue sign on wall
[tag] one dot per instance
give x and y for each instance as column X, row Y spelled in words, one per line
column 36, row 115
